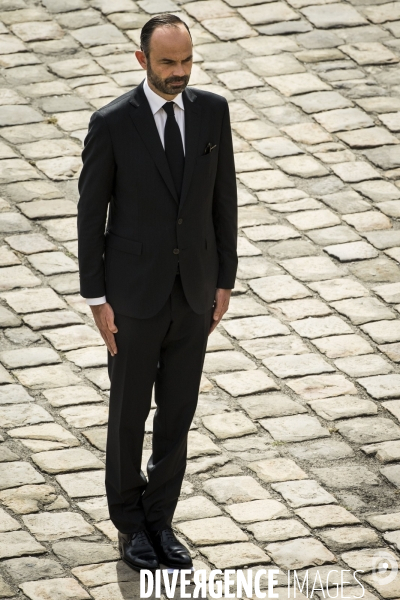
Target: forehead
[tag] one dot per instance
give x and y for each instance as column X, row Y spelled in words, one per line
column 173, row 40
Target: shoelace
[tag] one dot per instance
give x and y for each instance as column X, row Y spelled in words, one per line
column 169, row 535
column 141, row 537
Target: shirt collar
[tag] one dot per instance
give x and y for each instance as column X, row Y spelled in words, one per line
column 156, row 102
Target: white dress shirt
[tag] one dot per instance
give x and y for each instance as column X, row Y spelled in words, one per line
column 156, row 103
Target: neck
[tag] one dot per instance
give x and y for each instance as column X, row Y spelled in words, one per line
column 167, row 97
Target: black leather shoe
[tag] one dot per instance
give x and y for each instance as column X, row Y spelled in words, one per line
column 170, row 551
column 137, row 550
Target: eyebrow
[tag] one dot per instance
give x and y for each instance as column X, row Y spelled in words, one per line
column 171, row 60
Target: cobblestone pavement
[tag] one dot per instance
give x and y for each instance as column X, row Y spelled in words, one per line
column 292, row 454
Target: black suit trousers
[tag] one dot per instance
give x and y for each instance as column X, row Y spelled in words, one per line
column 165, row 351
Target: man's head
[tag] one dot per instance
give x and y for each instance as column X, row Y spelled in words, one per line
column 166, row 53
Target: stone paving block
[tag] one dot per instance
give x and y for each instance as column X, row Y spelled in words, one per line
column 242, row 383
column 31, row 568
column 298, row 309
column 338, row 234
column 70, row 338
column 274, row 346
column 385, row 452
column 229, row 425
column 270, row 405
column 338, row 289
column 236, row 489
column 60, row 461
column 54, row 526
column 368, row 221
column 382, row 386
column 365, row 559
column 256, row 266
column 307, row 220
column 245, row 306
column 363, row 366
column 53, row 319
column 340, row 539
column 220, row 362
column 281, row 65
column 314, row 387
column 278, row 531
column 315, row 268
column 296, row 365
column 278, row 469
column 13, row 223
column 196, row 507
column 386, row 590
column 383, row 331
column 8, row 319
column 353, row 172
column 258, row 510
column 18, row 415
column 15, row 277
column 392, row 351
column 13, row 394
column 52, row 376
column 369, row 430
column 363, row 310
column 376, row 270
column 26, row 301
column 62, row 589
column 28, row 357
column 346, row 476
column 341, row 407
column 235, row 555
column 330, row 514
column 323, row 449
column 261, row 180
column 300, row 553
column 18, row 543
column 316, row 327
column 294, row 428
column 216, row 530
column 279, row 287
column 340, row 346
column 85, row 416
column 229, row 28
column 255, row 327
column 81, row 485
column 321, row 101
column 293, row 85
column 18, row 473
column 302, row 166
column 351, row 251
column 303, row 493
column 276, row 146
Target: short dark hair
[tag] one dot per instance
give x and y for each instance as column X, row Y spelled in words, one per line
column 163, row 20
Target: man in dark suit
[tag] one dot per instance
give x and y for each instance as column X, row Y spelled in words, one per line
column 158, row 273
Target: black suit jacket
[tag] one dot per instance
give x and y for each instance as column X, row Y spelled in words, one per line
column 131, row 255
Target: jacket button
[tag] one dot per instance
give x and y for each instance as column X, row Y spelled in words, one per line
column 180, row 221
column 176, row 251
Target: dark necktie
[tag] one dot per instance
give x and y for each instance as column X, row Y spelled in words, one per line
column 174, row 147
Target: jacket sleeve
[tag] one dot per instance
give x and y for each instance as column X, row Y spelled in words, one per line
column 225, row 208
column 95, row 190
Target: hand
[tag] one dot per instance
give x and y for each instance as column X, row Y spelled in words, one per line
column 221, row 305
column 103, row 315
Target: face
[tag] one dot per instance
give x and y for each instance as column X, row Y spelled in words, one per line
column 170, row 60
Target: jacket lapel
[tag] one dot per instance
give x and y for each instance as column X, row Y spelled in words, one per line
column 192, row 131
column 143, row 120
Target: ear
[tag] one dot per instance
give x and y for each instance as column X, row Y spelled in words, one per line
column 141, row 58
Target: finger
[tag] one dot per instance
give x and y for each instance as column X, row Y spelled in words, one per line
column 110, row 323
column 106, row 343
column 111, row 342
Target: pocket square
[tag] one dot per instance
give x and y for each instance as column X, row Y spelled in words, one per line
column 209, row 148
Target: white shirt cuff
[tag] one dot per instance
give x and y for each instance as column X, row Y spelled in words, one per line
column 96, row 301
